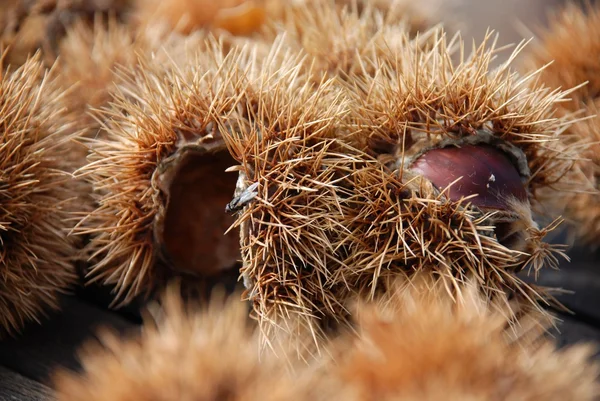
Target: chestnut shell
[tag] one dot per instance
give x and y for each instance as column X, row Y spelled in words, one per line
column 485, row 170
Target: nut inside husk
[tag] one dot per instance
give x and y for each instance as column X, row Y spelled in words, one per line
column 190, row 229
column 492, row 174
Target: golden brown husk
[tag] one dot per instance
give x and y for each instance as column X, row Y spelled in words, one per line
column 337, row 213
column 36, row 195
column 438, row 102
column 568, row 50
column 208, row 353
column 419, row 342
column 163, row 215
column 285, row 138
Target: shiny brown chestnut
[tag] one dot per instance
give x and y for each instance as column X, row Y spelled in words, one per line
column 485, row 170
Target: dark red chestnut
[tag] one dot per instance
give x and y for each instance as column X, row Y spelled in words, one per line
column 485, row 171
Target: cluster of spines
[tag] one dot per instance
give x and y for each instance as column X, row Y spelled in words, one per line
column 436, row 100
column 156, row 109
column 354, row 29
column 418, row 341
column 36, row 195
column 564, row 52
column 285, row 139
column 333, row 215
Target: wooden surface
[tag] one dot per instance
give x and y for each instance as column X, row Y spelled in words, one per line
column 27, row 362
column 14, row 386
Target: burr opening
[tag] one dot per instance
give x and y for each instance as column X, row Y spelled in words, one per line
column 194, row 222
column 487, row 175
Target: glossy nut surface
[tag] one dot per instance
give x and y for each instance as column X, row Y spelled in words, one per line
column 485, row 171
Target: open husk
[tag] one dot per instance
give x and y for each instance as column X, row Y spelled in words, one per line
column 158, row 174
column 335, row 204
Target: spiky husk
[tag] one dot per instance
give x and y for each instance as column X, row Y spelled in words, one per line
column 286, row 137
column 437, row 102
column 567, row 50
column 420, row 342
column 36, row 258
column 203, row 354
column 338, row 209
column 158, row 174
column 398, row 225
column 416, row 342
column 353, row 28
column 97, row 60
column 436, row 99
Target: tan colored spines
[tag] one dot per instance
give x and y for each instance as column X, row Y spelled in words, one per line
column 158, row 175
column 95, row 58
column 439, row 103
column 354, row 30
column 400, row 226
column 436, row 98
column 566, row 51
column 568, row 44
column 286, row 143
column 422, row 342
column 36, row 257
column 207, row 354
